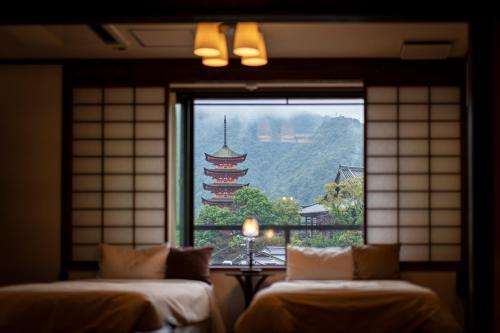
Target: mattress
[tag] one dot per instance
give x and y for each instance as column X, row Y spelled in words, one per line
column 346, row 306
column 102, row 305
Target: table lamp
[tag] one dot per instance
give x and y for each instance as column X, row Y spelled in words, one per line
column 250, row 230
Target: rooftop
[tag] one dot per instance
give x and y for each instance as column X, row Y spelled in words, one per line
column 224, row 171
column 313, row 209
column 225, row 151
column 346, row 172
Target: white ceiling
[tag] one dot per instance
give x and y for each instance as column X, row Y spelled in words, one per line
column 284, row 40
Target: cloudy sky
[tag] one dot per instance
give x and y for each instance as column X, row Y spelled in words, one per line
column 247, row 110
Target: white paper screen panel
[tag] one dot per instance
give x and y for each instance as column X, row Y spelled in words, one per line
column 413, row 170
column 118, row 168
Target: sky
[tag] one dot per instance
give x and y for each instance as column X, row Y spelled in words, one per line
column 278, row 109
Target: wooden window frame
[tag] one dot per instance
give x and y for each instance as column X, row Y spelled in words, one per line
column 186, row 98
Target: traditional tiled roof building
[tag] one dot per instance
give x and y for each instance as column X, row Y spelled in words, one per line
column 225, row 175
column 346, row 172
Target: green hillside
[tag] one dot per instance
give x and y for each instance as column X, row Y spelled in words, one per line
column 282, row 169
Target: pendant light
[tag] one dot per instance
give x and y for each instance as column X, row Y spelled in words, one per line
column 259, row 60
column 207, row 40
column 220, row 60
column 246, row 39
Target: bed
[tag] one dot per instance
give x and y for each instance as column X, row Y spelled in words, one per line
column 346, row 306
column 108, row 305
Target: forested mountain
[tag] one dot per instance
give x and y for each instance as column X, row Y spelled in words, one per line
column 293, row 156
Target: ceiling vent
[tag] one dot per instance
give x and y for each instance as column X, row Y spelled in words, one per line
column 425, row 50
column 110, row 35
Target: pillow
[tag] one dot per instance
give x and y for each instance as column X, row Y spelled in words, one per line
column 306, row 263
column 118, row 262
column 376, row 262
column 189, row 263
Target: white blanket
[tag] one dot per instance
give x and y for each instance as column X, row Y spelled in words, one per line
column 345, row 306
column 176, row 302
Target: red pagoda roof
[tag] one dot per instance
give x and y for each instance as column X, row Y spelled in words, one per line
column 226, row 152
column 218, row 202
column 228, row 186
column 225, row 159
column 219, row 172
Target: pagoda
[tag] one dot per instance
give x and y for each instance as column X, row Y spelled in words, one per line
column 225, row 175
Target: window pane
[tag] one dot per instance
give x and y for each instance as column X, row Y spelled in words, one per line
column 296, row 168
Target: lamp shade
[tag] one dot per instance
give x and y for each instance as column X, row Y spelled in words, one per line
column 221, row 59
column 250, row 228
column 260, row 59
column 246, row 39
column 206, row 40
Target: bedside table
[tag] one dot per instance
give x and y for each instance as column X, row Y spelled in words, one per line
column 246, row 279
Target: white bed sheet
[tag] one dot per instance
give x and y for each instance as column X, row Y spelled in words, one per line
column 177, row 302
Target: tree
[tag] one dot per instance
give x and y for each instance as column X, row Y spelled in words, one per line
column 250, row 202
column 345, row 200
column 286, row 211
column 212, row 215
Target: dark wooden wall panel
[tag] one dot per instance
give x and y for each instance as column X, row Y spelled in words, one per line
column 497, row 175
column 483, row 195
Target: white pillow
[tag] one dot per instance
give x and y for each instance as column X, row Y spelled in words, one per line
column 306, row 263
column 118, row 262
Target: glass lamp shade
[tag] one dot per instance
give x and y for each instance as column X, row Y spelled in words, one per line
column 221, row 59
column 250, row 228
column 206, row 40
column 261, row 58
column 246, row 39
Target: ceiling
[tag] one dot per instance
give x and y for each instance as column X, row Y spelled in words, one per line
column 284, row 40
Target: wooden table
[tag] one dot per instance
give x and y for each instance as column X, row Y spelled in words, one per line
column 246, row 279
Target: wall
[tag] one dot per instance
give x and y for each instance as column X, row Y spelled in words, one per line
column 30, row 146
column 30, row 140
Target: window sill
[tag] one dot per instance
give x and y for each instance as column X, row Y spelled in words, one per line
column 216, row 268
column 404, row 267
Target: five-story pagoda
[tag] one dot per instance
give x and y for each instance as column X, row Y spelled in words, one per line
column 224, row 174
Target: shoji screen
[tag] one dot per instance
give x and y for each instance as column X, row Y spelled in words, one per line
column 413, row 178
column 118, row 169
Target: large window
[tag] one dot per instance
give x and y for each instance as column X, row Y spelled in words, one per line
column 296, row 165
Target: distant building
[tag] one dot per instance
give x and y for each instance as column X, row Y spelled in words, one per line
column 346, row 172
column 271, row 255
column 225, row 175
column 268, row 256
column 315, row 214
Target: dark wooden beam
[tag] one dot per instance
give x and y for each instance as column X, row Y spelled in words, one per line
column 163, row 72
column 89, row 11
